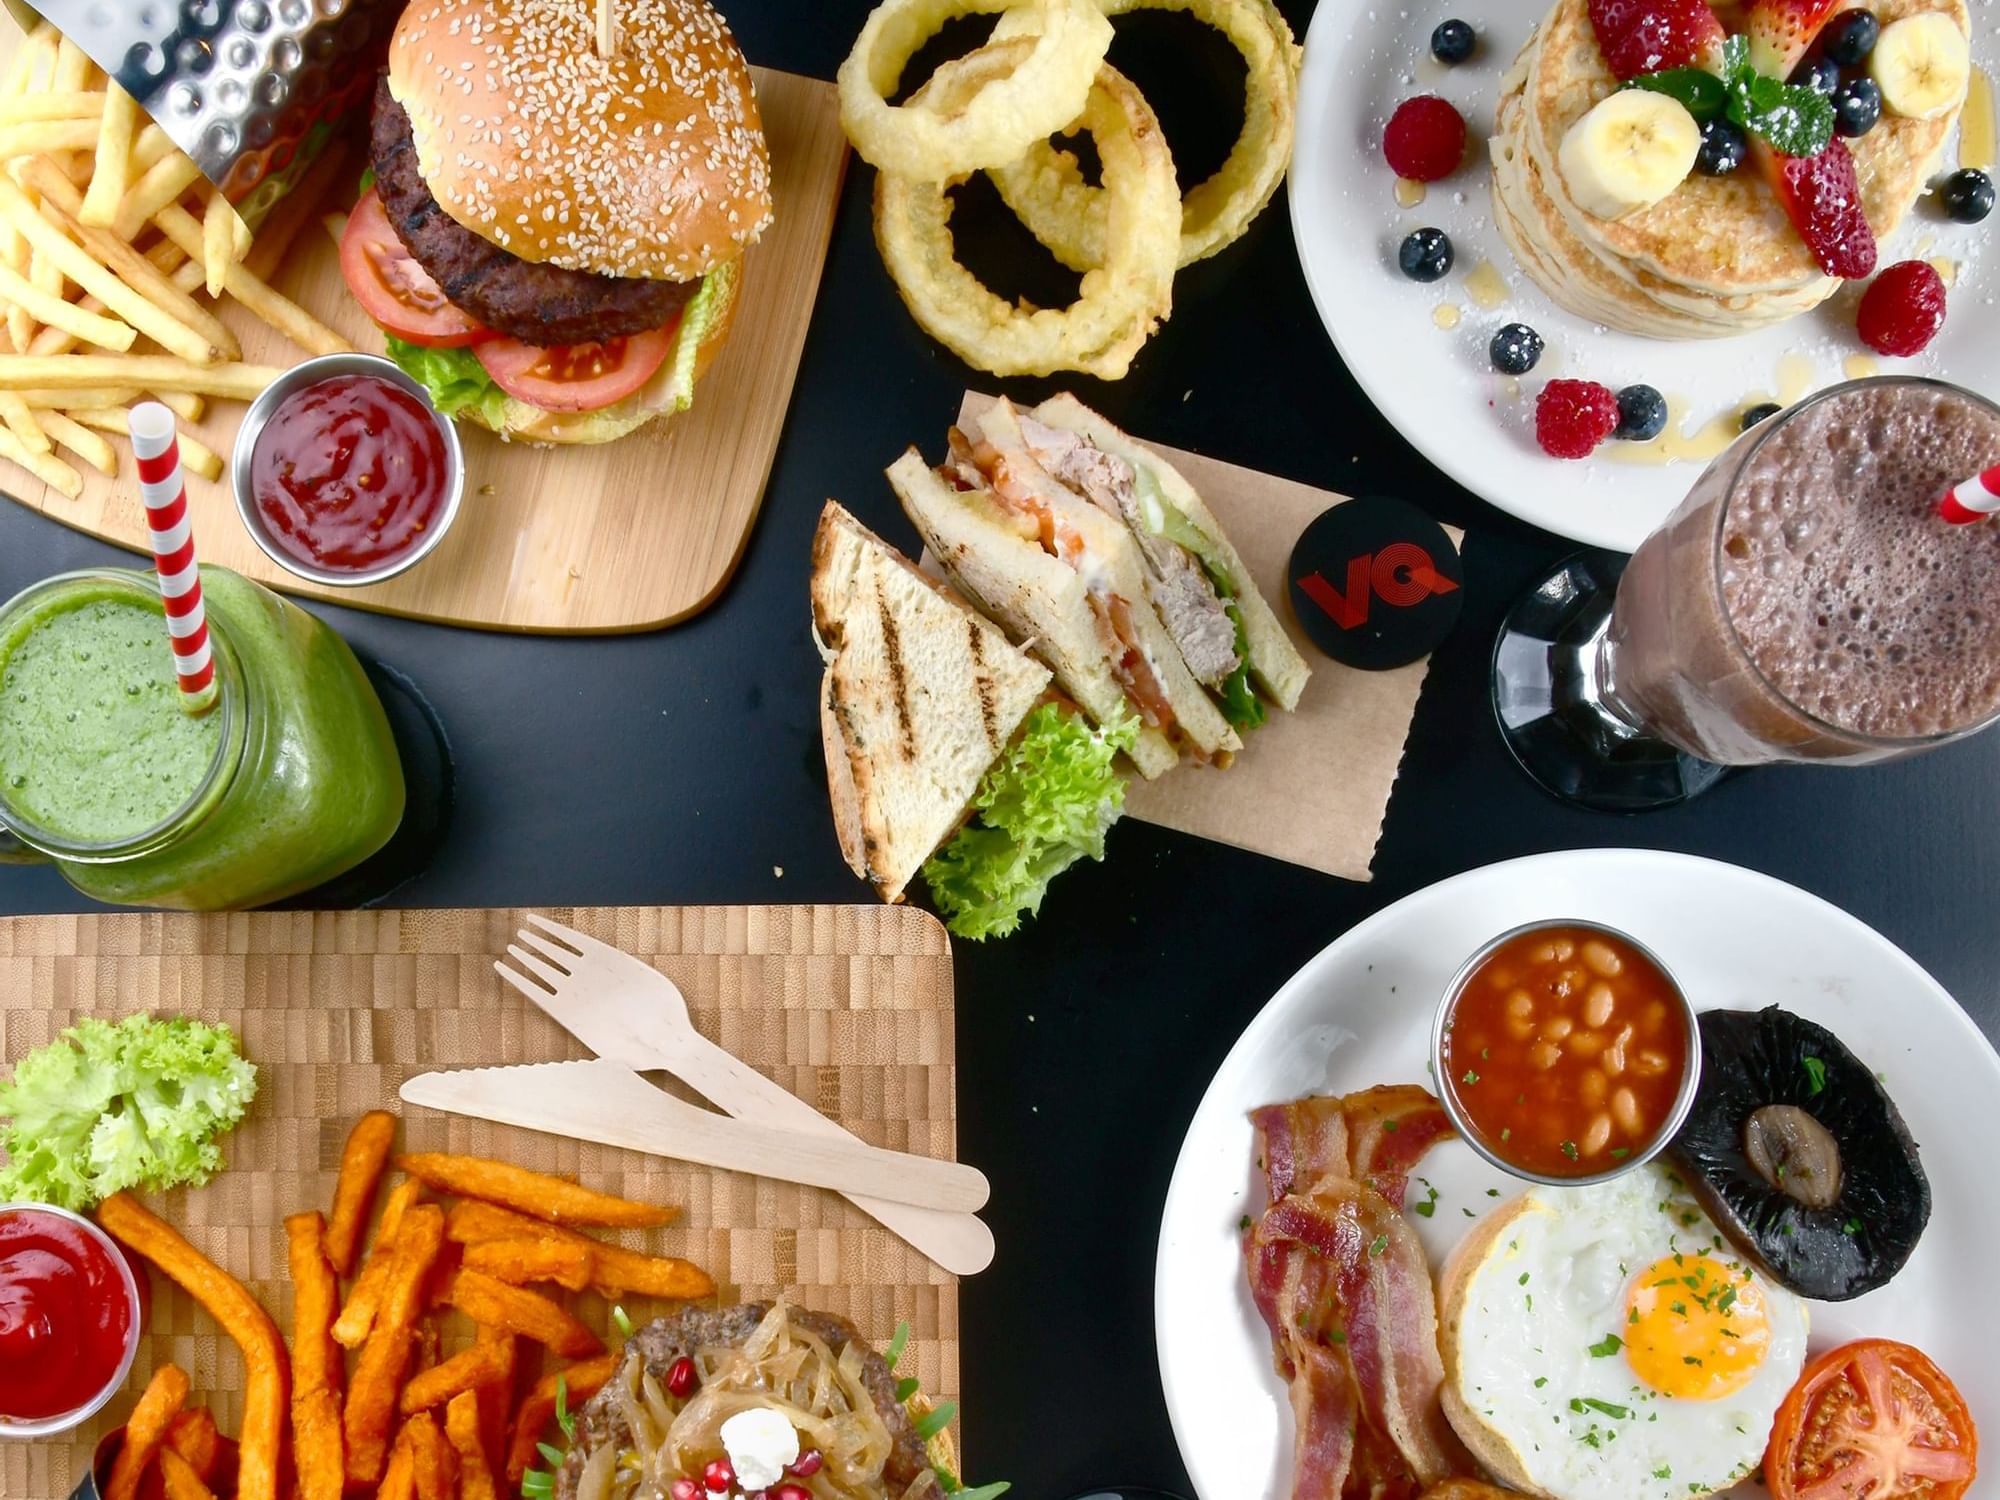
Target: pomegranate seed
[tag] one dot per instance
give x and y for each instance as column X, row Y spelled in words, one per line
column 717, row 1476
column 808, row 1463
column 684, row 1489
column 790, row 1491
column 681, row 1378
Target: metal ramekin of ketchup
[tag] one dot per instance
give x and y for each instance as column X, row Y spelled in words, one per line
column 344, row 473
column 1565, row 1052
column 70, row 1316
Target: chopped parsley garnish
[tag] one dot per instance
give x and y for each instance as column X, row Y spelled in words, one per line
column 1665, row 1471
column 1540, row 1381
column 1392, row 1126
column 1608, row 1346
column 1851, row 1227
column 1380, row 1244
column 1569, row 1150
column 1815, row 1075
column 1607, row 1408
column 1243, row 1223
column 1336, row 1335
column 1470, row 1076
column 1619, row 1153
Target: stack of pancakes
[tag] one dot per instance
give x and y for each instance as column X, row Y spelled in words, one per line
column 1716, row 256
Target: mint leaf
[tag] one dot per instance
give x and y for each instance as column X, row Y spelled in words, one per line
column 1735, row 54
column 1700, row 92
column 1793, row 118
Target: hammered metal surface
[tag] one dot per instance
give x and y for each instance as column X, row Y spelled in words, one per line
column 248, row 88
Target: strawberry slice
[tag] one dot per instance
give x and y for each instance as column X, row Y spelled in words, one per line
column 1823, row 201
column 1781, row 32
column 1644, row 36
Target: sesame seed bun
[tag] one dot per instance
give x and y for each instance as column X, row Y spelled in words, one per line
column 650, row 164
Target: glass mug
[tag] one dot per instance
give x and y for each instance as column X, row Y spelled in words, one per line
column 302, row 781
column 1805, row 603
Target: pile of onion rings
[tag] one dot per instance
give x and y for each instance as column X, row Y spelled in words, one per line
column 1043, row 73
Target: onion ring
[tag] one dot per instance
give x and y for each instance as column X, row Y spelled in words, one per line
column 1122, row 299
column 1039, row 94
column 1047, row 192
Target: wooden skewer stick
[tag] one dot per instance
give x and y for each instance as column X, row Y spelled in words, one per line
column 607, row 29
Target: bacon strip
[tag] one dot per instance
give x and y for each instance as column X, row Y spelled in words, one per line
column 1340, row 1279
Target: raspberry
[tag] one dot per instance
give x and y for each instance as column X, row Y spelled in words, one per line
column 1903, row 308
column 1573, row 416
column 1425, row 139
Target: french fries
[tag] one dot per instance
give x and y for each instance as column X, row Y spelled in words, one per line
column 182, row 1482
column 96, row 261
column 399, row 1479
column 465, row 1372
column 521, row 1261
column 361, row 1164
column 358, row 1316
column 461, row 1427
column 146, row 1430
column 317, row 1362
column 579, row 1382
column 521, row 1311
column 613, row 1269
column 193, row 1435
column 229, row 1302
column 496, row 1400
column 371, row 1398
column 433, row 1460
column 533, row 1193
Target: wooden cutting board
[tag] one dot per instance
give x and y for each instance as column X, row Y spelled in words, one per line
column 620, row 536
column 849, row 1007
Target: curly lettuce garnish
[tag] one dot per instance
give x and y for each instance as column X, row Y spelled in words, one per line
column 106, row 1107
column 1047, row 803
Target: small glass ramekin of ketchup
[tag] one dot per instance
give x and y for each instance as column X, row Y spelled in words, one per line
column 70, row 1316
column 1565, row 1052
column 344, row 472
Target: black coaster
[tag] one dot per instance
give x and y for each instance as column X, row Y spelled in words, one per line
column 1545, row 700
column 427, row 772
column 1376, row 583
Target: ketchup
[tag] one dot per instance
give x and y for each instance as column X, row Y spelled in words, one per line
column 65, row 1317
column 349, row 473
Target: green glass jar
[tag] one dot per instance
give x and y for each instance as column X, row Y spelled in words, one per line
column 289, row 780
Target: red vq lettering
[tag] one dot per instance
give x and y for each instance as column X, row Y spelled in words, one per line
column 1402, row 574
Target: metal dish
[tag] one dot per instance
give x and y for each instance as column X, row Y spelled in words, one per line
column 325, row 367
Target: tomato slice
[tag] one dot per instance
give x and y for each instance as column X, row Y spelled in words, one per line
column 1874, row 1420
column 576, row 377
column 394, row 288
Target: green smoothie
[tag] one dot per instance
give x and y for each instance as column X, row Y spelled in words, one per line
column 291, row 779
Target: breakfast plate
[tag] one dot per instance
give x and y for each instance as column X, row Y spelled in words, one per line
column 1420, row 350
column 1360, row 1014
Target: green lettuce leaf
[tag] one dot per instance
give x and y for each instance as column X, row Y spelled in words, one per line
column 455, row 378
column 108, row 1107
column 1240, row 704
column 1042, row 807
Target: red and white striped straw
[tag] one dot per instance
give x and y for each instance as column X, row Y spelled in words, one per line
column 165, row 497
column 1977, row 497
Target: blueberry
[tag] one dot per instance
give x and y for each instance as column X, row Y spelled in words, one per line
column 1642, row 414
column 1758, row 412
column 1452, row 42
column 1515, row 349
column 1425, row 254
column 1857, row 106
column 1851, row 37
column 1723, row 148
column 1821, row 73
column 1968, row 196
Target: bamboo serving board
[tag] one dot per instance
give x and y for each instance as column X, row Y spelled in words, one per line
column 849, row 1007
column 620, row 536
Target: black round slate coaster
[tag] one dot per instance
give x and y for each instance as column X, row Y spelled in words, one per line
column 1375, row 582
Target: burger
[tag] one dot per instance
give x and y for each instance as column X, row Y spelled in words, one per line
column 759, row 1399
column 553, row 239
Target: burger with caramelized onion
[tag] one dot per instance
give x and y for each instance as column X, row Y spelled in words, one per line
column 553, row 239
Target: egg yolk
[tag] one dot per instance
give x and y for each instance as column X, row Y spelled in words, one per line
column 1696, row 1327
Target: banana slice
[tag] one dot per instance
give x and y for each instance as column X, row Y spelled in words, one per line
column 1628, row 152
column 1921, row 64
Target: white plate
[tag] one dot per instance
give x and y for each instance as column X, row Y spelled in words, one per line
column 1439, row 388
column 1360, row 1014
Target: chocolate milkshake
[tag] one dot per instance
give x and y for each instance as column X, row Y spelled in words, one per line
column 1806, row 601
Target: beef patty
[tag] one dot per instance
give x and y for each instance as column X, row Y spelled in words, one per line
column 538, row 304
column 665, row 1340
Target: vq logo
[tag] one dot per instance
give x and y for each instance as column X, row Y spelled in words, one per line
column 1375, row 582
column 1401, row 574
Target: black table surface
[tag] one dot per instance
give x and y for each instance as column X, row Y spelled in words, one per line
column 684, row 767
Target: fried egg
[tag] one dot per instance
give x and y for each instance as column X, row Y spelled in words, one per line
column 1604, row 1343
